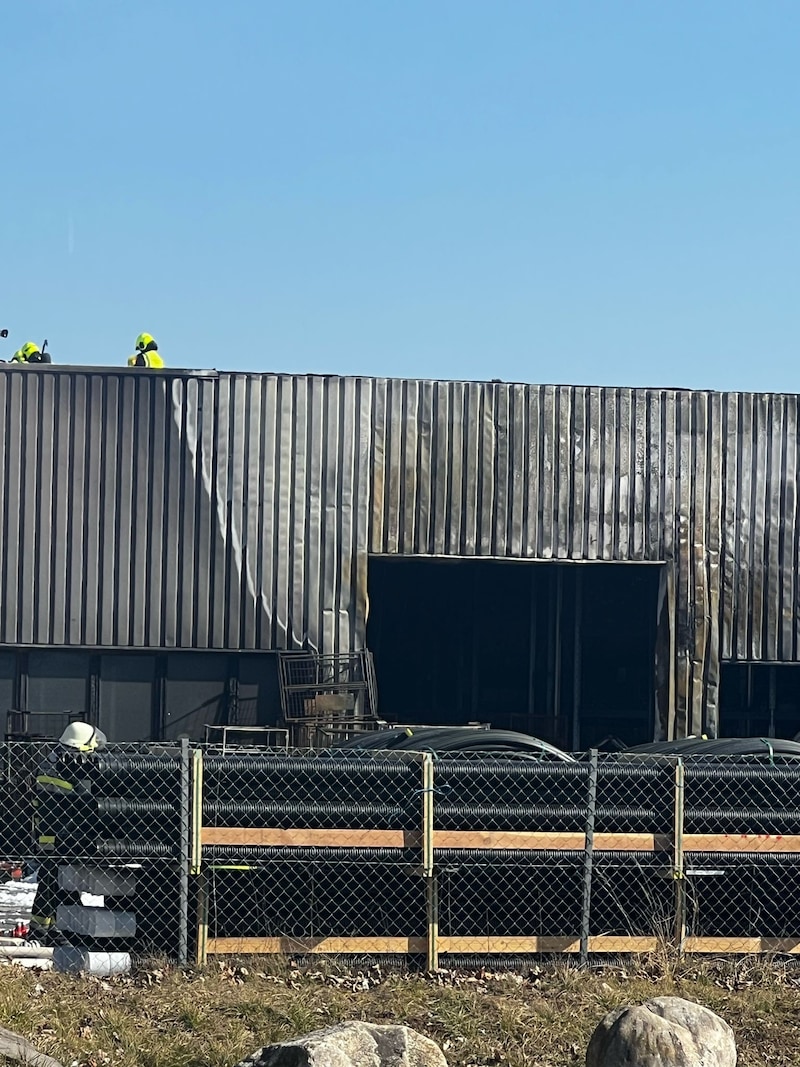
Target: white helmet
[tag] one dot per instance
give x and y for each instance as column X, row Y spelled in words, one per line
column 83, row 737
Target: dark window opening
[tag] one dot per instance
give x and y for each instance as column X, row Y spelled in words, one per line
column 58, row 681
column 258, row 696
column 759, row 700
column 136, row 695
column 563, row 651
column 125, row 711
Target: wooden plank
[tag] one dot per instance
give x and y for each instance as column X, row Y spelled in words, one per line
column 521, row 839
column 610, row 944
column 481, row 946
column 259, row 946
column 543, row 944
column 743, row 946
column 266, row 837
column 741, row 843
column 546, row 840
column 614, row 944
column 526, row 840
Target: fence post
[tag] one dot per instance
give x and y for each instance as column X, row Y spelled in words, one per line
column 428, row 869
column 196, row 868
column 678, row 872
column 185, row 857
column 588, row 856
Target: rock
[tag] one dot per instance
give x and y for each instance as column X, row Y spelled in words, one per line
column 662, row 1032
column 14, row 1047
column 352, row 1044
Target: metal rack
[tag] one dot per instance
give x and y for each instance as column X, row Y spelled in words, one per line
column 37, row 725
column 327, row 694
column 249, row 737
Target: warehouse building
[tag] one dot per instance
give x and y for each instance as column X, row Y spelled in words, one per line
column 573, row 562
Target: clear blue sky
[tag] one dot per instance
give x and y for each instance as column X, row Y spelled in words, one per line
column 598, row 191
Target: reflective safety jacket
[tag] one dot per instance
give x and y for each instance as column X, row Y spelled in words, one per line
column 32, row 357
column 145, row 359
column 62, row 804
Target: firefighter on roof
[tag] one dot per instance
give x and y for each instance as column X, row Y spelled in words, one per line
column 146, row 354
column 30, row 353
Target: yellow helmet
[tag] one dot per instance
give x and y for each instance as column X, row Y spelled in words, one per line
column 145, row 343
column 83, row 737
column 29, row 349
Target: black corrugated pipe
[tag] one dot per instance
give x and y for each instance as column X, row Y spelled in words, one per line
column 309, row 854
column 739, row 860
column 462, row 856
column 134, row 764
column 350, row 816
column 509, row 769
column 451, row 816
column 632, row 770
column 751, row 816
column 721, row 770
column 118, row 806
column 320, row 765
column 136, row 849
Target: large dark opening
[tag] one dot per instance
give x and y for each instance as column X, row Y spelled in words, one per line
column 563, row 651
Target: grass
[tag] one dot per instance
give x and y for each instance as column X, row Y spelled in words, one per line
column 163, row 1017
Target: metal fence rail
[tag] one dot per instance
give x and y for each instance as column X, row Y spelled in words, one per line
column 434, row 858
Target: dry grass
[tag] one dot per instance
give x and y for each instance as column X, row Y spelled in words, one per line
column 170, row 1018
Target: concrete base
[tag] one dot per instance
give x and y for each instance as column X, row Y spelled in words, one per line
column 95, row 922
column 99, row 881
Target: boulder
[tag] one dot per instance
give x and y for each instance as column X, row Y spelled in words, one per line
column 662, row 1032
column 14, row 1047
column 352, row 1044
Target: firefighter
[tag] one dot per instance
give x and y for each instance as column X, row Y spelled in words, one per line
column 63, row 793
column 146, row 354
column 30, row 353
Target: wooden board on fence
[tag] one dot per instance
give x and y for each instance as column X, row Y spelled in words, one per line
column 266, row 837
column 291, row 946
column 258, row 946
column 546, row 840
column 525, row 840
column 543, row 945
column 741, row 843
column 742, row 946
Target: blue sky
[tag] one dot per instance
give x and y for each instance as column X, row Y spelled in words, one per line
column 601, row 192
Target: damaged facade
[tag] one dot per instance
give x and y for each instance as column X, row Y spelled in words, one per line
column 175, row 512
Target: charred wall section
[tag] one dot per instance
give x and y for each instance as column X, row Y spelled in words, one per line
column 194, row 510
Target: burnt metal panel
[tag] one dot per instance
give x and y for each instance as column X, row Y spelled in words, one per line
column 197, row 510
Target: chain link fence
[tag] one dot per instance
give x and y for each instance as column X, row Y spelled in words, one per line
column 740, row 845
column 308, row 851
column 97, row 848
column 189, row 851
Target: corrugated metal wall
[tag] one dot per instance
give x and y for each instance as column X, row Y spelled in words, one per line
column 238, row 511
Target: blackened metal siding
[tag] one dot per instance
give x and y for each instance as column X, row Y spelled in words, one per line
column 549, row 473
column 238, row 511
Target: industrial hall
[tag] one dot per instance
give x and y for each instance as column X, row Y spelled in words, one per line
column 589, row 565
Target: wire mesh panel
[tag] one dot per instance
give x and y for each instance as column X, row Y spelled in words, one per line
column 96, row 846
column 741, row 854
column 180, row 851
column 540, row 856
column 307, row 851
